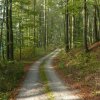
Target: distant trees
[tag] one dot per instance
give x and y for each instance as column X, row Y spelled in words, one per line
column 82, row 17
column 29, row 24
column 47, row 23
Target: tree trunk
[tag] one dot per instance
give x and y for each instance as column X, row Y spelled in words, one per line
column 95, row 25
column 34, row 26
column 45, row 26
column 85, row 26
column 11, row 32
column 7, row 27
column 67, row 29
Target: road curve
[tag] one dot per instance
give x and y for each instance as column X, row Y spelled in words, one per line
column 32, row 88
column 60, row 91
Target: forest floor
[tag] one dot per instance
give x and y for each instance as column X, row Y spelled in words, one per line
column 43, row 72
column 13, row 73
column 81, row 71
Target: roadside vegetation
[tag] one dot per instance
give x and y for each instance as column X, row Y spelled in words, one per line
column 81, row 70
column 12, row 73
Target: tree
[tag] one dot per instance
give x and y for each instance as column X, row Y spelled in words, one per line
column 9, row 30
column 95, row 23
column 67, row 27
column 85, row 26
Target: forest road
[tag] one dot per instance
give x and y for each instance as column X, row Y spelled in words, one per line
column 59, row 90
column 32, row 88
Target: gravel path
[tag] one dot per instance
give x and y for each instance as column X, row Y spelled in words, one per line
column 60, row 91
column 32, row 88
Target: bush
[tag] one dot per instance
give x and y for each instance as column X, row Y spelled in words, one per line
column 10, row 73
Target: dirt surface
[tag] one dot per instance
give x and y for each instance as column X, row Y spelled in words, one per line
column 59, row 89
column 32, row 88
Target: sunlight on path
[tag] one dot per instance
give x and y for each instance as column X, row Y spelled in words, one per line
column 60, row 91
column 32, row 89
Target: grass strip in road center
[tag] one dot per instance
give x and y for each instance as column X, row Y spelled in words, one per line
column 44, row 81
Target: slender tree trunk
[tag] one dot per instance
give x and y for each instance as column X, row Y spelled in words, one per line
column 85, row 26
column 11, row 32
column 95, row 25
column 40, row 30
column 88, row 31
column 67, row 29
column 72, row 36
column 34, row 26
column 10, row 50
column 2, row 26
column 45, row 27
column 7, row 27
column 20, row 46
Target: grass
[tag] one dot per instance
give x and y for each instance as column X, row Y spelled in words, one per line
column 82, row 68
column 44, row 81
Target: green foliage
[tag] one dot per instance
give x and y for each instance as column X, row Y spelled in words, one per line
column 4, row 96
column 28, row 53
column 30, row 20
column 10, row 73
column 61, row 65
column 80, row 66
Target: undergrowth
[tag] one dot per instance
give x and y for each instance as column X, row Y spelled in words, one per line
column 12, row 72
column 81, row 67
